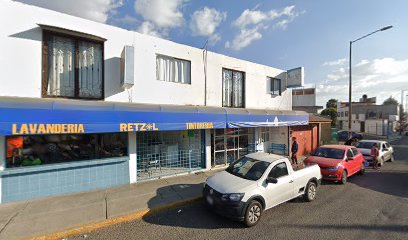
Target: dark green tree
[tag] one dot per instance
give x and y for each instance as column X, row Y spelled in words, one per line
column 332, row 103
column 332, row 113
column 390, row 101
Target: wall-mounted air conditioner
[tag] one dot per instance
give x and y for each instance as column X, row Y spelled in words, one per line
column 127, row 63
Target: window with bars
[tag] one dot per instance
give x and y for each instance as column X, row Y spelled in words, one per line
column 72, row 67
column 233, row 88
column 167, row 153
column 275, row 86
column 171, row 69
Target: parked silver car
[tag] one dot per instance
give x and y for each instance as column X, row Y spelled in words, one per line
column 386, row 150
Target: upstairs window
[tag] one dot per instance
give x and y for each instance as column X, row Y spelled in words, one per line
column 171, row 69
column 233, row 83
column 72, row 67
column 276, row 86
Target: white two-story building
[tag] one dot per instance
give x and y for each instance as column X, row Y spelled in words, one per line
column 84, row 105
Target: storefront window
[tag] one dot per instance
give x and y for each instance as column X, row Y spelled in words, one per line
column 169, row 152
column 48, row 149
column 230, row 144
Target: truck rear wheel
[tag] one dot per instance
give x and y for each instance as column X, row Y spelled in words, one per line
column 253, row 213
column 310, row 192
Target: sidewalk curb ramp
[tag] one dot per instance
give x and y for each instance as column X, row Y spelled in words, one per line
column 116, row 220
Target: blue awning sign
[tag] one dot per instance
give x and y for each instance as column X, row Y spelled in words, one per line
column 52, row 117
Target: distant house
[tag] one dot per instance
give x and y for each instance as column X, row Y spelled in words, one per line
column 368, row 117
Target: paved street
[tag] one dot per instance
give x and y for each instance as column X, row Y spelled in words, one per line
column 373, row 206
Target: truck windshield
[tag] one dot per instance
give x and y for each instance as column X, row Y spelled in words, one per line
column 329, row 153
column 248, row 168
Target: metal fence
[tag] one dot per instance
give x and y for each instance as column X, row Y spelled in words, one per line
column 169, row 152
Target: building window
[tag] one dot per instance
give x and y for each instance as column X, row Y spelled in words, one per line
column 309, row 91
column 275, row 86
column 228, row 145
column 171, row 69
column 169, row 152
column 233, row 88
column 25, row 151
column 342, row 114
column 346, row 114
column 72, row 67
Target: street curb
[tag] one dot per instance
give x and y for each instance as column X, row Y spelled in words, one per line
column 116, row 220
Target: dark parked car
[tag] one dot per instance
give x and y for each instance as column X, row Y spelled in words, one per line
column 343, row 135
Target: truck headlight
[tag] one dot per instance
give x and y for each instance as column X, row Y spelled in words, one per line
column 234, row 197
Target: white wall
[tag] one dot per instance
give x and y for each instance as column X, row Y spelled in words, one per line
column 304, row 100
column 132, row 157
column 355, row 125
column 20, row 58
column 256, row 84
column 21, row 41
column 277, row 135
column 376, row 127
column 208, row 152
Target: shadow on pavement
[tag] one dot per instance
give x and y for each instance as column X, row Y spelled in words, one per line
column 375, row 228
column 388, row 182
column 391, row 179
column 187, row 216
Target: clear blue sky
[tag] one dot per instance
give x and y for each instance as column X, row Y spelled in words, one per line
column 316, row 35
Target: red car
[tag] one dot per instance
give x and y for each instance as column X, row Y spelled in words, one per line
column 337, row 162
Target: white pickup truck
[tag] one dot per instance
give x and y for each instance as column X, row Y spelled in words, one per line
column 257, row 182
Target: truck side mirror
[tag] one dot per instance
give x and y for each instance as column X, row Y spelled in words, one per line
column 271, row 180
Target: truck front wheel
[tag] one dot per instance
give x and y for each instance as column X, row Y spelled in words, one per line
column 310, row 192
column 253, row 213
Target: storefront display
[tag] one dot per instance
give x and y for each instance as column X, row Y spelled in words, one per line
column 48, row 149
column 230, row 144
column 169, row 152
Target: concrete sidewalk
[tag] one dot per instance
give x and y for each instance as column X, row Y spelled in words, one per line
column 28, row 219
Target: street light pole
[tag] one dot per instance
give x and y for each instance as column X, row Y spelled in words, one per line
column 349, row 107
column 402, row 98
column 350, row 81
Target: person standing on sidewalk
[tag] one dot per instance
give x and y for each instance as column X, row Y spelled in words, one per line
column 294, row 150
column 374, row 154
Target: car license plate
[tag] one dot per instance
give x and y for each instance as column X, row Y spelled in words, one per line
column 210, row 200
